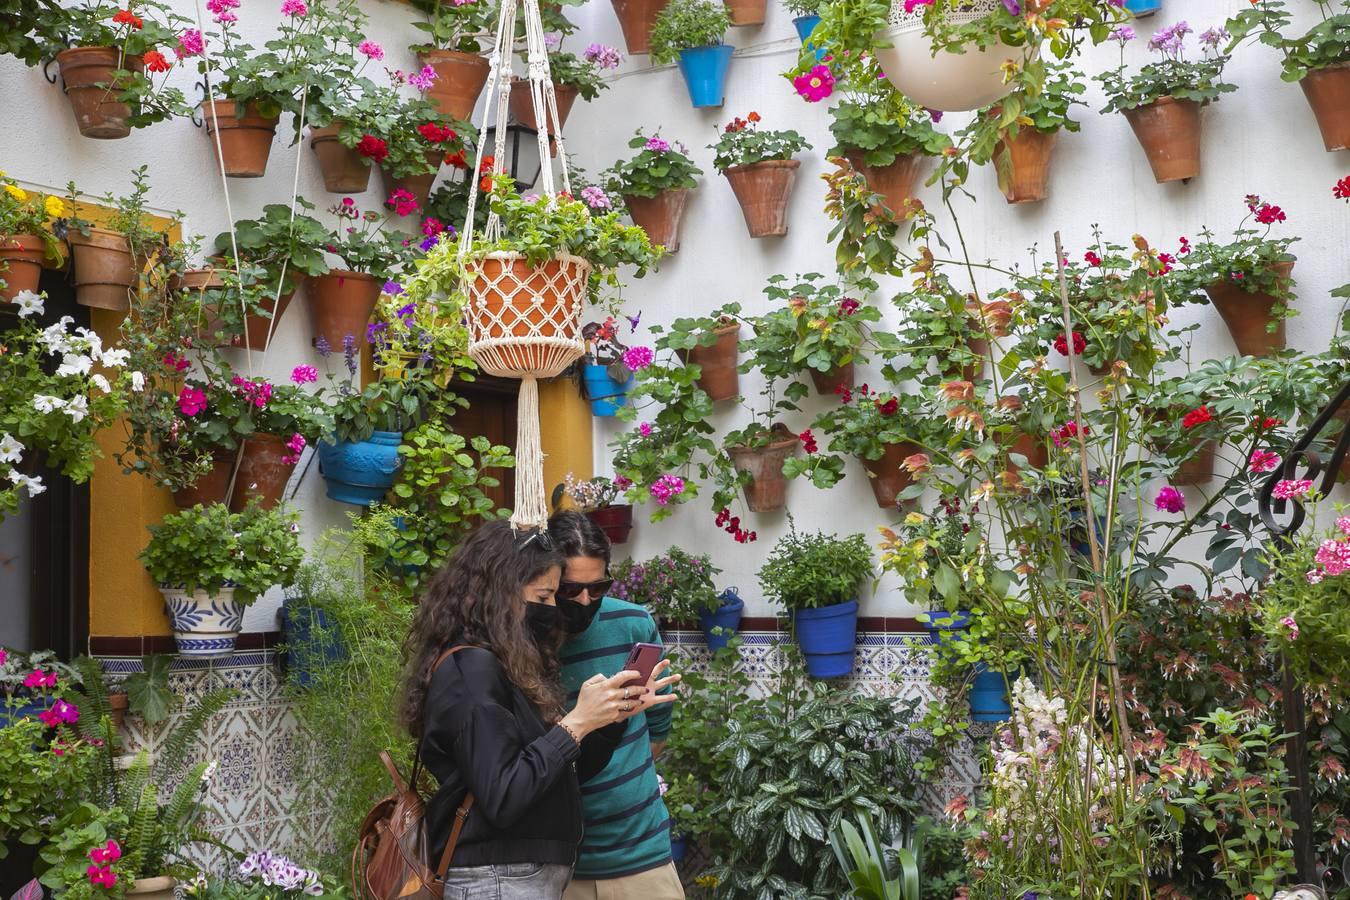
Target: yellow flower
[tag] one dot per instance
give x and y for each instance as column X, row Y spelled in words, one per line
column 55, row 206
column 17, row 192
column 914, row 519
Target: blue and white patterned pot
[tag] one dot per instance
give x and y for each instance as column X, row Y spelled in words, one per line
column 360, row 472
column 204, row 625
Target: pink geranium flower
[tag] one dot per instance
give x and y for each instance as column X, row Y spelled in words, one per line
column 1263, row 461
column 294, row 8
column 191, row 401
column 637, row 358
column 1334, row 557
column 1170, row 500
column 304, row 374
column 370, row 49
column 191, row 43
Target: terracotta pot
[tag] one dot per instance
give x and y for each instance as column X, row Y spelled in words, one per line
column 460, row 78
column 1328, row 93
column 615, row 521
column 160, row 888
column 636, row 18
column 887, row 476
column 514, row 307
column 340, row 303
column 894, row 182
column 21, row 258
column 259, row 327
column 767, row 490
column 245, row 140
column 746, row 12
column 87, row 73
column 262, row 471
column 1033, row 448
column 833, row 381
column 211, row 487
column 105, row 270
column 763, row 189
column 719, row 377
column 1023, row 164
column 523, row 108
column 974, row 371
column 117, row 708
column 1169, row 131
column 1200, row 467
column 344, row 170
column 1246, row 314
column 659, row 216
column 417, row 185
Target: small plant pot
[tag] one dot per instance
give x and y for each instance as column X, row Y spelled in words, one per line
column 21, row 258
column 747, row 12
column 340, row 303
column 615, row 520
column 1169, row 131
column 1023, row 164
column 460, row 78
column 204, row 625
column 417, row 185
column 679, row 848
column 160, row 888
column 344, row 170
column 1199, row 468
column 894, row 182
column 726, row 617
column 117, row 709
column 705, row 74
column 1328, row 93
column 312, row 641
column 360, row 472
column 263, row 471
column 1033, row 448
column 887, row 476
column 522, row 107
column 763, row 190
column 972, row 372
column 211, row 487
column 1247, row 314
column 989, row 695
column 245, row 137
column 719, row 378
column 828, row 637
column 1142, row 8
column 93, row 89
column 804, row 26
column 636, row 18
column 104, row 269
column 607, row 396
column 767, row 490
column 834, row 381
column 659, row 216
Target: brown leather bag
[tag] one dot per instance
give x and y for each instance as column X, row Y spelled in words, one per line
column 390, row 859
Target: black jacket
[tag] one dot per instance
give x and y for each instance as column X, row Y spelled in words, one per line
column 481, row 733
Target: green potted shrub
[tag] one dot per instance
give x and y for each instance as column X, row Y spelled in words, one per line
column 816, row 578
column 817, row 329
column 455, row 34
column 211, row 563
column 886, row 139
column 689, row 33
column 761, row 170
column 655, row 186
column 26, row 237
column 341, row 300
column 573, row 77
column 677, row 587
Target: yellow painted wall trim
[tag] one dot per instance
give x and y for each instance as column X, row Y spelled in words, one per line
column 565, row 432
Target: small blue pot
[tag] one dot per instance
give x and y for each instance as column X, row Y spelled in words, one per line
column 607, row 396
column 726, row 617
column 705, row 73
column 947, row 626
column 22, row 710
column 805, row 25
column 360, row 472
column 989, row 696
column 1142, row 8
column 829, row 638
column 1081, row 546
column 679, row 848
column 312, row 641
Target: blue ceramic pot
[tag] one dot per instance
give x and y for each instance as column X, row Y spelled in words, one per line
column 947, row 626
column 805, row 25
column 679, row 848
column 1141, row 8
column 23, row 707
column 989, row 695
column 312, row 641
column 360, row 472
column 829, row 638
column 705, row 73
column 607, row 396
column 726, row 617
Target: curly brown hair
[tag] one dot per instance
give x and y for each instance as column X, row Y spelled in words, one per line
column 477, row 599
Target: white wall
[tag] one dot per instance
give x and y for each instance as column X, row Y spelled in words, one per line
column 1262, row 139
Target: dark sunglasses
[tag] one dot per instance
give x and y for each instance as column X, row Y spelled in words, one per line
column 569, row 590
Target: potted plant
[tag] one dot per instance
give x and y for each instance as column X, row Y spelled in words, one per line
column 211, row 563
column 608, row 367
column 759, row 455
column 816, row 579
column 636, row 20
column 341, row 300
column 264, row 873
column 1248, row 278
column 595, row 498
column 1319, row 60
column 689, row 33
column 655, row 186
column 1027, row 132
column 886, row 139
column 455, row 34
column 676, row 587
column 713, row 345
column 805, row 18
column 1163, row 101
column 30, row 683
column 108, row 261
column 761, row 170
column 279, row 421
column 26, row 237
column 816, row 329
column 573, row 76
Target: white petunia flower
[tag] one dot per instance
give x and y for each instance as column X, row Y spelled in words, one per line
column 101, row 383
column 115, row 358
column 138, row 381
column 33, row 485
column 77, row 408
column 91, row 340
column 55, row 337
column 75, row 365
column 29, row 303
column 11, row 451
column 44, row 403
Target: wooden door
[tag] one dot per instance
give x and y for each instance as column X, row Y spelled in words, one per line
column 491, row 414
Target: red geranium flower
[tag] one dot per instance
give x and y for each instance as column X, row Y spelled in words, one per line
column 487, row 164
column 485, row 184
column 156, row 61
column 372, row 147
column 127, row 17
column 753, row 117
column 808, row 441
column 457, row 160
column 1079, row 344
column 1341, row 189
column 1198, row 416
column 888, row 408
column 1092, row 259
column 436, row 133
column 1269, row 215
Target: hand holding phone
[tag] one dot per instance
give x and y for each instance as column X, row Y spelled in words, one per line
column 642, row 659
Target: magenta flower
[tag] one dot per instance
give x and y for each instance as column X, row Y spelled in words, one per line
column 1334, row 557
column 815, row 85
column 296, row 445
column 191, row 43
column 402, row 202
column 1289, row 623
column 911, row 5
column 304, row 374
column 645, row 429
column 1263, row 461
column 40, row 679
column 656, row 144
column 423, row 79
column 294, row 8
column 191, row 401
column 638, row 358
column 1288, row 490
column 596, row 198
column 1343, row 523
column 1170, row 500
column 371, row 50
column 666, row 488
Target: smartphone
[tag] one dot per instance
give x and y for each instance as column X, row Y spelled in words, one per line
column 642, row 659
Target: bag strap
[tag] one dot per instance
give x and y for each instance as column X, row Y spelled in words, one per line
column 461, row 814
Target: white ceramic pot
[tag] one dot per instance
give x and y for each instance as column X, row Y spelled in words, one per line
column 160, row 888
column 951, row 82
column 204, row 625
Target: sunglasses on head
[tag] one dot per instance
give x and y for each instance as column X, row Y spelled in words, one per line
column 537, row 536
column 569, row 590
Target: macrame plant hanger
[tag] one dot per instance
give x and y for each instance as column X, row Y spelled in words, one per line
column 517, row 326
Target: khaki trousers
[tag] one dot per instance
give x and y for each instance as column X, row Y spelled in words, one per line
column 657, row 884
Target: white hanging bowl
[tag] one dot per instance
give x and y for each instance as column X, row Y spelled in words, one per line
column 951, row 82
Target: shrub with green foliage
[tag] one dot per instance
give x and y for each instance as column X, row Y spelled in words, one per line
column 810, row 571
column 686, row 25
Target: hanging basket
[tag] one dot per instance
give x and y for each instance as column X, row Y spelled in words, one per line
column 525, row 320
column 951, row 82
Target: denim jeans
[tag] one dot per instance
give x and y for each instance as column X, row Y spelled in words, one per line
column 515, row 881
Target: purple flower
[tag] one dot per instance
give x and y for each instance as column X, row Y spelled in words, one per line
column 602, row 56
column 393, row 288
column 349, row 352
column 428, row 242
column 374, row 330
column 1170, row 500
column 423, row 79
column 1013, row 7
column 321, row 345
column 638, row 358
column 407, row 311
column 934, row 114
column 1213, row 37
column 655, row 144
column 1122, row 33
column 596, row 198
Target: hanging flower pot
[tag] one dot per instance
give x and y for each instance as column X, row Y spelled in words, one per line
column 834, row 381
column 340, row 303
column 679, row 848
column 524, row 318
column 720, row 625
column 312, row 641
column 887, row 475
column 118, row 704
column 805, row 25
column 104, row 269
column 705, row 73
column 719, row 377
column 1169, row 131
column 1328, row 93
column 989, row 690
column 763, row 189
column 344, row 170
column 636, row 18
column 460, row 78
column 1247, row 314
column 265, row 466
column 1033, row 448
column 767, row 490
column 1199, row 468
column 606, row 394
column 204, row 625
column 245, row 137
column 895, row 182
column 1141, row 8
column 21, row 258
column 949, row 81
column 522, row 107
column 659, row 216
column 418, row 185
column 360, row 472
column 615, row 520
column 210, row 487
column 828, row 637
column 93, row 89
column 1022, row 162
column 746, row 12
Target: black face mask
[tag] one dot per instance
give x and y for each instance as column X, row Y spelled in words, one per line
column 544, row 621
column 577, row 617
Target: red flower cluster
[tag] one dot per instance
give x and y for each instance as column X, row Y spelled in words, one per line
column 1092, row 259
column 457, row 160
column 887, row 407
column 436, row 134
column 739, row 124
column 1079, row 344
column 1198, row 416
column 1266, row 424
column 1064, row 433
column 848, row 306
column 1269, row 215
column 808, row 441
column 127, row 17
column 1341, row 189
column 1165, row 261
column 156, row 61
column 1185, row 246
column 844, row 393
column 372, row 147
column 732, row 526
column 177, row 363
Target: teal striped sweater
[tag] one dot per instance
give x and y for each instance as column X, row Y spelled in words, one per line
column 627, row 827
